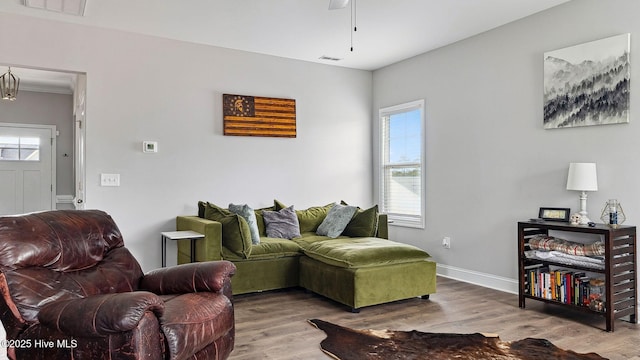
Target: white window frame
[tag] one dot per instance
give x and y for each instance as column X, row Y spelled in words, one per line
column 398, row 219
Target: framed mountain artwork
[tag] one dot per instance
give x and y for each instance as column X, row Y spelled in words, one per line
column 587, row 84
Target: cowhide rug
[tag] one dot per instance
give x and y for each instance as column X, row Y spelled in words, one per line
column 347, row 344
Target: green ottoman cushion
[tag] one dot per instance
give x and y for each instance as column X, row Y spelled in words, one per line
column 363, row 252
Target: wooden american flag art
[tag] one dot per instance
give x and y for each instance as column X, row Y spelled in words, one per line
column 258, row 116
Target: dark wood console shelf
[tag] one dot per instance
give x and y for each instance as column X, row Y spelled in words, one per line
column 619, row 271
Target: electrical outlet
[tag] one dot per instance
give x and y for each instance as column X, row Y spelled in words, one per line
column 109, row 179
column 446, row 242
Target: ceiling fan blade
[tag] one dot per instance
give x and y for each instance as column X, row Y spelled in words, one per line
column 338, row 4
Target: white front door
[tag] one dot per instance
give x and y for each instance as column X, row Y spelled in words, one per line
column 27, row 168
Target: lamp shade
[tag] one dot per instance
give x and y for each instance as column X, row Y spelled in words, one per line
column 582, row 177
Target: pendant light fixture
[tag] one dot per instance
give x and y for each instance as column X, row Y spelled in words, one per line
column 9, row 84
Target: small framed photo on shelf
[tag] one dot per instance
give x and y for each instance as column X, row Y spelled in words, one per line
column 554, row 214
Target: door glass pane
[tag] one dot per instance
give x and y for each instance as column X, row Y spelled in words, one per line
column 17, row 148
column 29, row 149
column 9, row 148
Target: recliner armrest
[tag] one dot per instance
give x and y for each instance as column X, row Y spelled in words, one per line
column 100, row 315
column 212, row 276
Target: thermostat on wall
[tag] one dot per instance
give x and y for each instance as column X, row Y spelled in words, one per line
column 150, row 146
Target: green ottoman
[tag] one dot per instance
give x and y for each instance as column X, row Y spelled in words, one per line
column 366, row 271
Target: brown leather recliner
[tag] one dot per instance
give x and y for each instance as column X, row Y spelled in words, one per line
column 71, row 290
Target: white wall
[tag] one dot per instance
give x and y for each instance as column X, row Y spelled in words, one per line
column 145, row 88
column 489, row 161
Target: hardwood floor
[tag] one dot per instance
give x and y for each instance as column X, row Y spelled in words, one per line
column 272, row 325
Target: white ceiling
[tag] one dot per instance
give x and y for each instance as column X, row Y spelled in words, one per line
column 387, row 30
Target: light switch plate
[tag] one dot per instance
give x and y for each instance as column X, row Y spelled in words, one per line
column 109, row 179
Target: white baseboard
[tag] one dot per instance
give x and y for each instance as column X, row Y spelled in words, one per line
column 477, row 278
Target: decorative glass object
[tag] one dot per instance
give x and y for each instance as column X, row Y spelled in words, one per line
column 612, row 214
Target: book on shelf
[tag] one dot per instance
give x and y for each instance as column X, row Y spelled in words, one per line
column 561, row 285
column 530, row 273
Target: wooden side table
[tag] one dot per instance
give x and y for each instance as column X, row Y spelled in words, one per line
column 619, row 272
column 180, row 235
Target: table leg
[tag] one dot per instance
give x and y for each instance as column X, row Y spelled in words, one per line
column 193, row 250
column 164, row 251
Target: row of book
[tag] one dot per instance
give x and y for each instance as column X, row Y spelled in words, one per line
column 565, row 286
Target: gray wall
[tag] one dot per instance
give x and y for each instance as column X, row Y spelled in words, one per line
column 146, row 88
column 47, row 109
column 489, row 161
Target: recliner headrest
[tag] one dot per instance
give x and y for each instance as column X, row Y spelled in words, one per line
column 60, row 240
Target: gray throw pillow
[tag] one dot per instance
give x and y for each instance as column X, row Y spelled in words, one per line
column 282, row 223
column 248, row 214
column 337, row 219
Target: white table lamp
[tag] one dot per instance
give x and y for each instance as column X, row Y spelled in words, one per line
column 582, row 177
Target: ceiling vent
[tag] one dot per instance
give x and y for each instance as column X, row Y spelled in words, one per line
column 71, row 7
column 329, row 58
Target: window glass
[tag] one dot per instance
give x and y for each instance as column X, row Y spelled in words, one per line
column 404, row 137
column 402, row 165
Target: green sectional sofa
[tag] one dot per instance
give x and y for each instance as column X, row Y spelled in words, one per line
column 357, row 266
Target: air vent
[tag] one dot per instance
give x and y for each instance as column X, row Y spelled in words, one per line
column 71, row 7
column 329, row 58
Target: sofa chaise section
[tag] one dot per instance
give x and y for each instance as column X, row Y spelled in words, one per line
column 366, row 271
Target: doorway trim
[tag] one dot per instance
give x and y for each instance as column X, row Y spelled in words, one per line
column 53, row 132
column 78, row 90
column 80, row 125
